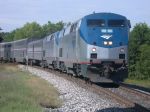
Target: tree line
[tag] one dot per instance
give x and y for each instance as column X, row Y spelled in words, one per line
column 139, row 44
column 33, row 30
column 139, row 52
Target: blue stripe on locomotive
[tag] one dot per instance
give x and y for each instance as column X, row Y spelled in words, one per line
column 93, row 34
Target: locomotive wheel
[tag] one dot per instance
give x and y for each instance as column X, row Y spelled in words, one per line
column 24, row 61
column 14, row 60
column 62, row 67
column 54, row 64
column 31, row 62
column 42, row 64
column 77, row 69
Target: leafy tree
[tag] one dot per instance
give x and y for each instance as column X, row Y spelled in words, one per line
column 9, row 36
column 144, row 62
column 19, row 34
column 139, row 44
column 34, row 30
column 29, row 30
column 50, row 27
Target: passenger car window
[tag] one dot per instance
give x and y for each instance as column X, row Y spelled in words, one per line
column 52, row 37
column 60, row 52
column 96, row 23
column 73, row 27
column 67, row 30
column 61, row 34
column 48, row 38
column 116, row 23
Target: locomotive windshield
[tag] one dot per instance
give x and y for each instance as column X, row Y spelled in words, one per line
column 95, row 23
column 116, row 23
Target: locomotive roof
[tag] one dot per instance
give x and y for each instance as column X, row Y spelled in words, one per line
column 104, row 14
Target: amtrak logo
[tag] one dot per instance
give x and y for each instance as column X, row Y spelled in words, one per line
column 106, row 36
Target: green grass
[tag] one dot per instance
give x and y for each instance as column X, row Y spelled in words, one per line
column 144, row 83
column 21, row 92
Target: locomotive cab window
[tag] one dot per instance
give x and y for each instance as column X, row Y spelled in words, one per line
column 96, row 23
column 116, row 23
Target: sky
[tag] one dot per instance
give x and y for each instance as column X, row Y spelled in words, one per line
column 15, row 13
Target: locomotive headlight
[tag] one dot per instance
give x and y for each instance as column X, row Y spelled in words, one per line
column 105, row 42
column 110, row 43
column 122, row 50
column 93, row 49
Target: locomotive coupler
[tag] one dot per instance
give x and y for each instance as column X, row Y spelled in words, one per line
column 107, row 71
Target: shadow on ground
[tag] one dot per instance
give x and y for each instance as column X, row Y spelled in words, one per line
column 107, row 84
column 119, row 76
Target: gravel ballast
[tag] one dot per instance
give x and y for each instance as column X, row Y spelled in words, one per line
column 76, row 98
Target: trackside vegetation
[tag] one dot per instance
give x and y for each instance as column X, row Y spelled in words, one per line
column 33, row 30
column 139, row 82
column 139, row 52
column 21, row 92
column 139, row 55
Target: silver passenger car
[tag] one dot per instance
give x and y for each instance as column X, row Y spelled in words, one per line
column 35, row 51
column 6, row 51
column 2, row 51
column 50, row 50
column 20, row 50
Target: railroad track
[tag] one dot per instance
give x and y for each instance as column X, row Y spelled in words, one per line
column 100, row 90
column 146, row 95
column 139, row 98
